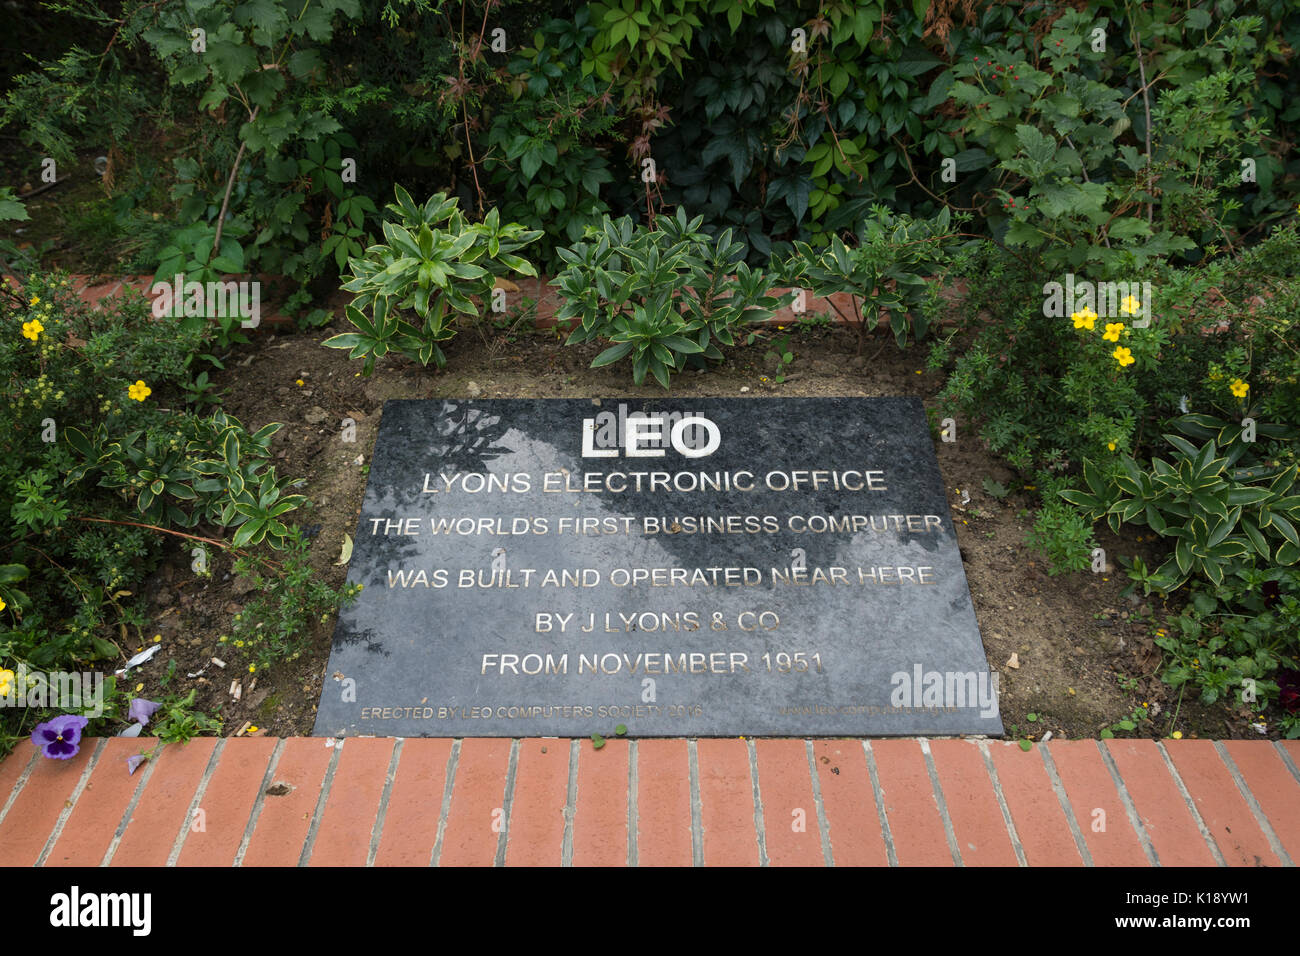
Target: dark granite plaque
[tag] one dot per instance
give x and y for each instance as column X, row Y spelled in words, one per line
column 683, row 567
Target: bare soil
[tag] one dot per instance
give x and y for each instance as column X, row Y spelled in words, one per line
column 1071, row 651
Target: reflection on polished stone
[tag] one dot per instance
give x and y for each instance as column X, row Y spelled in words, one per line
column 693, row 567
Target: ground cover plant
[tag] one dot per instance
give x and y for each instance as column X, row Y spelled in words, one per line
column 103, row 460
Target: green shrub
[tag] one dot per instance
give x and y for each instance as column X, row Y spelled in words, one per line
column 663, row 297
column 1214, row 511
column 1064, row 536
column 274, row 627
column 435, row 264
column 885, row 273
column 100, row 462
column 1243, row 629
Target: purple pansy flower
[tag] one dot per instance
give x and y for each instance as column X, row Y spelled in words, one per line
column 60, row 738
column 1288, row 682
column 141, row 710
column 134, row 761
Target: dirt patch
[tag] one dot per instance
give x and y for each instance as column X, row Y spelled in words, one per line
column 1085, row 655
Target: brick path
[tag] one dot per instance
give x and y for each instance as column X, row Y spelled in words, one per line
column 898, row 802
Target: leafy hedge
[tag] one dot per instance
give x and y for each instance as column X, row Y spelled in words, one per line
column 782, row 122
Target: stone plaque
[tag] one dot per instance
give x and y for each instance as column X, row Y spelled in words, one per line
column 680, row 567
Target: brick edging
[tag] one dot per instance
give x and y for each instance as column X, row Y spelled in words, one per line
column 713, row 801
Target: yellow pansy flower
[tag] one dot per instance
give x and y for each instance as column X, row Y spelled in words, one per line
column 1130, row 305
column 139, row 391
column 1113, row 329
column 1110, row 445
column 1239, row 388
column 32, row 329
column 1084, row 319
column 3, row 605
column 1123, row 356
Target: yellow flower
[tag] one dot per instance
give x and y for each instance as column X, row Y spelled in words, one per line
column 1215, row 376
column 6, row 678
column 1177, row 735
column 1084, row 319
column 36, row 300
column 1113, row 329
column 3, row 605
column 1110, row 445
column 1123, row 356
column 1130, row 305
column 32, row 329
column 252, row 730
column 1239, row 388
column 252, row 668
column 139, row 391
column 301, row 382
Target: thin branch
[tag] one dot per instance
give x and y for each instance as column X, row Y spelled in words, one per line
column 230, row 184
column 1084, row 169
column 180, row 534
column 1146, row 107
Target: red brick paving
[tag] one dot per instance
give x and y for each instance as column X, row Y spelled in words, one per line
column 214, row 838
column 90, row 827
column 1276, row 791
column 285, row 818
column 164, row 805
column 353, row 804
column 1036, row 812
column 415, row 804
column 790, row 825
column 663, row 803
column 600, row 813
column 541, row 795
column 1097, row 806
column 977, row 821
column 726, row 803
column 1225, row 813
column 477, row 817
column 849, row 803
column 26, row 827
column 512, row 803
column 910, row 804
column 1161, row 810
